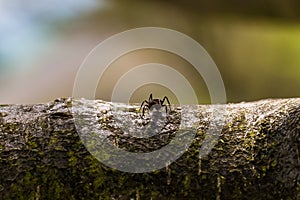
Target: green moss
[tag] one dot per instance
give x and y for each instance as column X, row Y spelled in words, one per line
column 274, row 163
column 72, row 159
column 186, row 184
column 32, row 144
column 11, row 127
column 53, row 141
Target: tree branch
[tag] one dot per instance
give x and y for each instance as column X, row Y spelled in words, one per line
column 44, row 154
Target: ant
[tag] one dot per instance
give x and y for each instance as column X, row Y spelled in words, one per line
column 157, row 103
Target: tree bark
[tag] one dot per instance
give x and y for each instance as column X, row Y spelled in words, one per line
column 256, row 155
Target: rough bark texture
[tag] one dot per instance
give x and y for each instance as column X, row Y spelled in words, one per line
column 255, row 157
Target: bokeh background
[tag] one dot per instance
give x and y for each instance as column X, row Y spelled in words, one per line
column 255, row 44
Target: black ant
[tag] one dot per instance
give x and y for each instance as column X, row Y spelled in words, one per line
column 157, row 103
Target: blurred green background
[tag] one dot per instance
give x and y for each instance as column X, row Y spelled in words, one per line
column 255, row 44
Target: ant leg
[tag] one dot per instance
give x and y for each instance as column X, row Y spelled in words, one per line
column 166, row 98
column 143, row 104
column 165, row 107
column 162, row 102
column 150, row 97
column 146, row 106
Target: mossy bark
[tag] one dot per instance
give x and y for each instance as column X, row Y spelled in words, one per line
column 256, row 156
